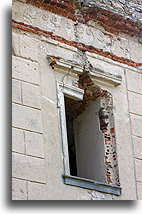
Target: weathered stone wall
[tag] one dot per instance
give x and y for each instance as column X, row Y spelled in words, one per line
column 129, row 8
column 37, row 149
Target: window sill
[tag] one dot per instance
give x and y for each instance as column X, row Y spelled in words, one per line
column 92, row 184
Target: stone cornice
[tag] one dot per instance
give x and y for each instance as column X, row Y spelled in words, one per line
column 78, row 69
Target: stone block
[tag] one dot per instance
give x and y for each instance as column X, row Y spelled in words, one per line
column 15, row 44
column 28, row 47
column 16, row 91
column 34, row 144
column 136, row 125
column 25, row 70
column 37, row 191
column 19, row 189
column 137, row 145
column 134, row 81
column 135, row 103
column 139, row 190
column 28, row 168
column 18, row 140
column 31, row 95
column 23, row 45
column 138, row 165
column 26, row 118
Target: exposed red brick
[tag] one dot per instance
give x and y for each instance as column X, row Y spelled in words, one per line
column 112, row 22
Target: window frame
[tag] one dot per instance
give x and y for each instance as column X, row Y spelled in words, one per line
column 76, row 94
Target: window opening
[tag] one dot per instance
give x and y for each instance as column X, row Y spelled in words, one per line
column 69, row 109
column 88, row 133
column 85, row 140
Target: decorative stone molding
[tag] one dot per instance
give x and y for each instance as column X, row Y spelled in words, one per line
column 78, row 68
column 115, row 16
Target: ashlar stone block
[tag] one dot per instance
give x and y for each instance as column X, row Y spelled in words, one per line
column 135, row 103
column 134, row 81
column 138, row 165
column 139, row 190
column 31, row 95
column 137, row 144
column 15, row 44
column 19, row 189
column 26, row 118
column 16, row 91
column 136, row 125
column 28, row 47
column 25, row 70
column 37, row 191
column 18, row 140
column 28, row 168
column 25, row 46
column 34, row 144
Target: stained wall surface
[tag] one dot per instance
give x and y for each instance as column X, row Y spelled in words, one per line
column 37, row 157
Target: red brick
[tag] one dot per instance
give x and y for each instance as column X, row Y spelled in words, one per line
column 102, row 17
column 38, row 31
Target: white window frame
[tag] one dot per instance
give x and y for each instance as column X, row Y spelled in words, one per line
column 76, row 94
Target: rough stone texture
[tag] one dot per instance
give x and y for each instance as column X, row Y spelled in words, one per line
column 16, row 91
column 31, row 118
column 25, row 70
column 18, row 144
column 28, row 168
column 137, row 143
column 31, row 95
column 138, row 164
column 139, row 188
column 101, row 196
column 127, row 7
column 34, row 144
column 37, row 191
column 19, row 189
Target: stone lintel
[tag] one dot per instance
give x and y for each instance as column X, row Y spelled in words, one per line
column 78, row 68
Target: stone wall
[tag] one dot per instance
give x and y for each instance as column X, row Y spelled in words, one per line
column 27, row 136
column 127, row 7
column 37, row 149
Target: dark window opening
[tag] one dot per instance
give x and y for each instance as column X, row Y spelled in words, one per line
column 85, row 140
column 69, row 108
